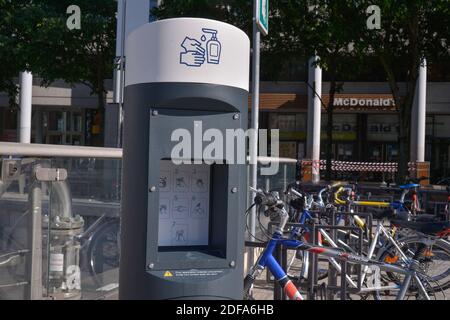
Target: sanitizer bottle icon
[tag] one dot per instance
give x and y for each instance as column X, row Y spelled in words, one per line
column 213, row 47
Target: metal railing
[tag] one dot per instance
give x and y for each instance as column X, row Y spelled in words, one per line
column 60, row 151
column 42, row 220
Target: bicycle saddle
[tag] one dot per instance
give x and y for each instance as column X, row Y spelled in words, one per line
column 425, row 223
column 410, row 186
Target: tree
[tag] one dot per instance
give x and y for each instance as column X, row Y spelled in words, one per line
column 410, row 32
column 330, row 34
column 82, row 55
column 281, row 47
column 337, row 31
column 34, row 37
column 14, row 18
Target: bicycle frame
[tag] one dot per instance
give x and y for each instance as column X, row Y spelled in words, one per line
column 267, row 260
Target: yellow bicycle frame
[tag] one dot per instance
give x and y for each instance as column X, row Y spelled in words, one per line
column 358, row 220
column 379, row 204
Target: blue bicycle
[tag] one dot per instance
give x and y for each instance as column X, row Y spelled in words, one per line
column 413, row 276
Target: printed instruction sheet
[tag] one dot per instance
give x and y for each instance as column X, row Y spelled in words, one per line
column 183, row 204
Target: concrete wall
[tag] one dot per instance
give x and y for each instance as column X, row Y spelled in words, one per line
column 62, row 94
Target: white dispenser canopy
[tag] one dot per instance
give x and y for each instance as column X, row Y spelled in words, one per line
column 180, row 51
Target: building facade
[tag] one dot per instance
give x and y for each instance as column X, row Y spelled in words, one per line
column 365, row 120
column 61, row 115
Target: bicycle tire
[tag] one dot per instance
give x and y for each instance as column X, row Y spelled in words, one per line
column 93, row 248
column 440, row 281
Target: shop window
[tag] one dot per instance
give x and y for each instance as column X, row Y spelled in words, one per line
column 344, row 127
column 288, row 150
column 63, row 127
column 383, row 127
column 442, row 126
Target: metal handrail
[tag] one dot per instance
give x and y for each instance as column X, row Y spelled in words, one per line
column 60, row 151
column 275, row 160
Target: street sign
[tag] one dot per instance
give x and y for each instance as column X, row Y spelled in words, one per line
column 262, row 16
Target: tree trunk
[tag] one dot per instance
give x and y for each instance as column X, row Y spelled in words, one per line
column 404, row 108
column 404, row 146
column 404, row 137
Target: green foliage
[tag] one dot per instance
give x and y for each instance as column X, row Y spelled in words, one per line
column 84, row 55
column 11, row 50
column 34, row 36
column 280, row 48
column 410, row 32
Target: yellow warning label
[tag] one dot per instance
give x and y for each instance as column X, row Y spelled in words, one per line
column 168, row 274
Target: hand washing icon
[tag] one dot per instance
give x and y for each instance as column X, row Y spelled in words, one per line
column 194, row 53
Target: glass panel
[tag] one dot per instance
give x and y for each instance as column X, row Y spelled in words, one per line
column 382, row 127
column 56, row 121
column 77, row 122
column 344, row 127
column 94, row 246
column 55, row 139
column 22, row 200
column 71, row 241
column 442, row 126
column 285, row 175
column 68, row 121
column 288, row 150
column 77, row 140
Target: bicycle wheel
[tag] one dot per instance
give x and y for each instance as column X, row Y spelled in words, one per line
column 104, row 251
column 435, row 262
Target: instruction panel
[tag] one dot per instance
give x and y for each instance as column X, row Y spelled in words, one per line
column 183, row 204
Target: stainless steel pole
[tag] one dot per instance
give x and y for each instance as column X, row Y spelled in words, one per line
column 419, row 114
column 255, row 113
column 314, row 116
column 34, row 260
column 121, row 12
column 26, row 95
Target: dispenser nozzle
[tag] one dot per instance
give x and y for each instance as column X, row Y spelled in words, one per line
column 211, row 31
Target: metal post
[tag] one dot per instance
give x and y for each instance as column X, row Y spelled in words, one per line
column 314, row 116
column 332, row 272
column 255, row 120
column 343, row 280
column 277, row 289
column 418, row 117
column 26, row 95
column 119, row 74
column 312, row 273
column 34, row 261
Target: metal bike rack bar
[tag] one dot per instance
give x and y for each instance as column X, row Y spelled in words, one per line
column 312, row 286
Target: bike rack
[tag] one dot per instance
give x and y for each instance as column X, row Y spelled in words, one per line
column 312, row 286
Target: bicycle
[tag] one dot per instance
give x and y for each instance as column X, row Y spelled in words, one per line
column 397, row 246
column 276, row 208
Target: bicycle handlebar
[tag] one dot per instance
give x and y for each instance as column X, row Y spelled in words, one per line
column 264, row 198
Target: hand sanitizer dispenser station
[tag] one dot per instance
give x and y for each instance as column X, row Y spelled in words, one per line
column 184, row 173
